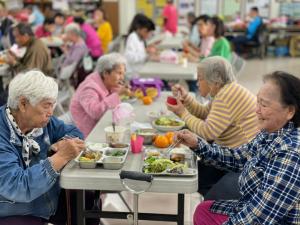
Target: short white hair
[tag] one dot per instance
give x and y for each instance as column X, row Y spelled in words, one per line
column 34, row 86
column 73, row 28
column 217, row 69
column 109, row 62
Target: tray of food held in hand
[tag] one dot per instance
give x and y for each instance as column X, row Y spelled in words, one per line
column 179, row 162
column 111, row 156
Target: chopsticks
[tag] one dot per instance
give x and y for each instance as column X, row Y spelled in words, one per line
column 172, row 146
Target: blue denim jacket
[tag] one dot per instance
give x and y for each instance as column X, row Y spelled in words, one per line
column 33, row 190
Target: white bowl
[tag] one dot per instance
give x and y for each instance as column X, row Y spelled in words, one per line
column 168, row 128
column 116, row 136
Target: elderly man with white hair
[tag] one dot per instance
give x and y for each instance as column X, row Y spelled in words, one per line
column 29, row 178
column 75, row 48
column 100, row 91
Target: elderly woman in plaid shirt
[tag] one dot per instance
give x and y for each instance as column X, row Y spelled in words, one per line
column 270, row 163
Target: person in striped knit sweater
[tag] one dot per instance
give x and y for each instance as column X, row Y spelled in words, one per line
column 229, row 120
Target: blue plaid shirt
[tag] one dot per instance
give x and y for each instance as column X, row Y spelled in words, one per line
column 270, row 178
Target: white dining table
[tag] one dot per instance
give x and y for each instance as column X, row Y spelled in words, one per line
column 168, row 71
column 73, row 177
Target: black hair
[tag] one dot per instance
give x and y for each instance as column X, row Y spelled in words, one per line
column 49, row 20
column 79, row 20
column 255, row 9
column 24, row 29
column 219, row 26
column 59, row 14
column 205, row 18
column 289, row 91
column 141, row 21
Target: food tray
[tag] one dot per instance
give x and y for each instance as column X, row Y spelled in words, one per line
column 107, row 157
column 190, row 160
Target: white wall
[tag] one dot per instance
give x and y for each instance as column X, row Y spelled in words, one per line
column 127, row 10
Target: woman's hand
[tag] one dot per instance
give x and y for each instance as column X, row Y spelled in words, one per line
column 66, row 150
column 187, row 138
column 179, row 92
column 178, row 109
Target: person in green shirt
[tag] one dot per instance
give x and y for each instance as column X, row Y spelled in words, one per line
column 221, row 46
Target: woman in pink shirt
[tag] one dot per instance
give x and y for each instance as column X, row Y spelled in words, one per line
column 91, row 38
column 170, row 17
column 99, row 92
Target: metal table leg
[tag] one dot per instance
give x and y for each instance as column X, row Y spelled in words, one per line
column 80, row 207
column 180, row 209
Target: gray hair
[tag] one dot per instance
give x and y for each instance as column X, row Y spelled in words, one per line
column 216, row 69
column 73, row 28
column 34, row 86
column 109, row 62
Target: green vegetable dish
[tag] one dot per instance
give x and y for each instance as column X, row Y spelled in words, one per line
column 166, row 121
column 115, row 153
column 159, row 165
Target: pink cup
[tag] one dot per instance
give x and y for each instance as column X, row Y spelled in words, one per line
column 137, row 145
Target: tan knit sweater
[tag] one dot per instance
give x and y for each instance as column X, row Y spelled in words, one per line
column 228, row 120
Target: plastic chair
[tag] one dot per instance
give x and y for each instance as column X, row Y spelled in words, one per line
column 238, row 63
column 259, row 43
column 66, row 90
column 115, row 45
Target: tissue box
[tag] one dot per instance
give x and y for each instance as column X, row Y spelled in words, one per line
column 144, row 83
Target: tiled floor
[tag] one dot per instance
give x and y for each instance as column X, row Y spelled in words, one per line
column 251, row 78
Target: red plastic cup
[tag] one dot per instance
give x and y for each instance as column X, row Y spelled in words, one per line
column 171, row 100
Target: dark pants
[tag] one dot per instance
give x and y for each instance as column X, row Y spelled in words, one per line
column 216, row 184
column 193, row 87
column 60, row 217
column 239, row 43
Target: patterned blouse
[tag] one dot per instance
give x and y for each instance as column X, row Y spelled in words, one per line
column 270, row 178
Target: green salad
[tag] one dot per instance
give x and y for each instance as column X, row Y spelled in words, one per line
column 116, row 153
column 158, row 165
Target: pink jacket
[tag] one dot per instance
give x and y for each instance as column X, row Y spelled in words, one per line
column 90, row 102
column 92, row 40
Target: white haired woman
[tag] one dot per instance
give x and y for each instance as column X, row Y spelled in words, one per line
column 29, row 190
column 269, row 164
column 78, row 49
column 228, row 120
column 100, row 91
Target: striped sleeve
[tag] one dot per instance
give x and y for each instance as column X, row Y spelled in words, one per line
column 195, row 108
column 217, row 121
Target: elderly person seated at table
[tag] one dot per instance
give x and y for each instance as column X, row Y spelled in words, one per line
column 36, row 53
column 228, row 119
column 29, row 190
column 75, row 48
column 99, row 92
column 270, row 163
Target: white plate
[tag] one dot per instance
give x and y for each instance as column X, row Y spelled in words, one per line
column 96, row 146
column 168, row 128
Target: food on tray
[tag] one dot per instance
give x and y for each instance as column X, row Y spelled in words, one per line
column 115, row 153
column 168, row 121
column 159, row 165
column 177, row 157
column 153, row 153
column 118, row 145
column 138, row 93
column 90, row 156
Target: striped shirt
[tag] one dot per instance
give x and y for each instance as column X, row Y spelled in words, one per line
column 270, row 178
column 229, row 120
